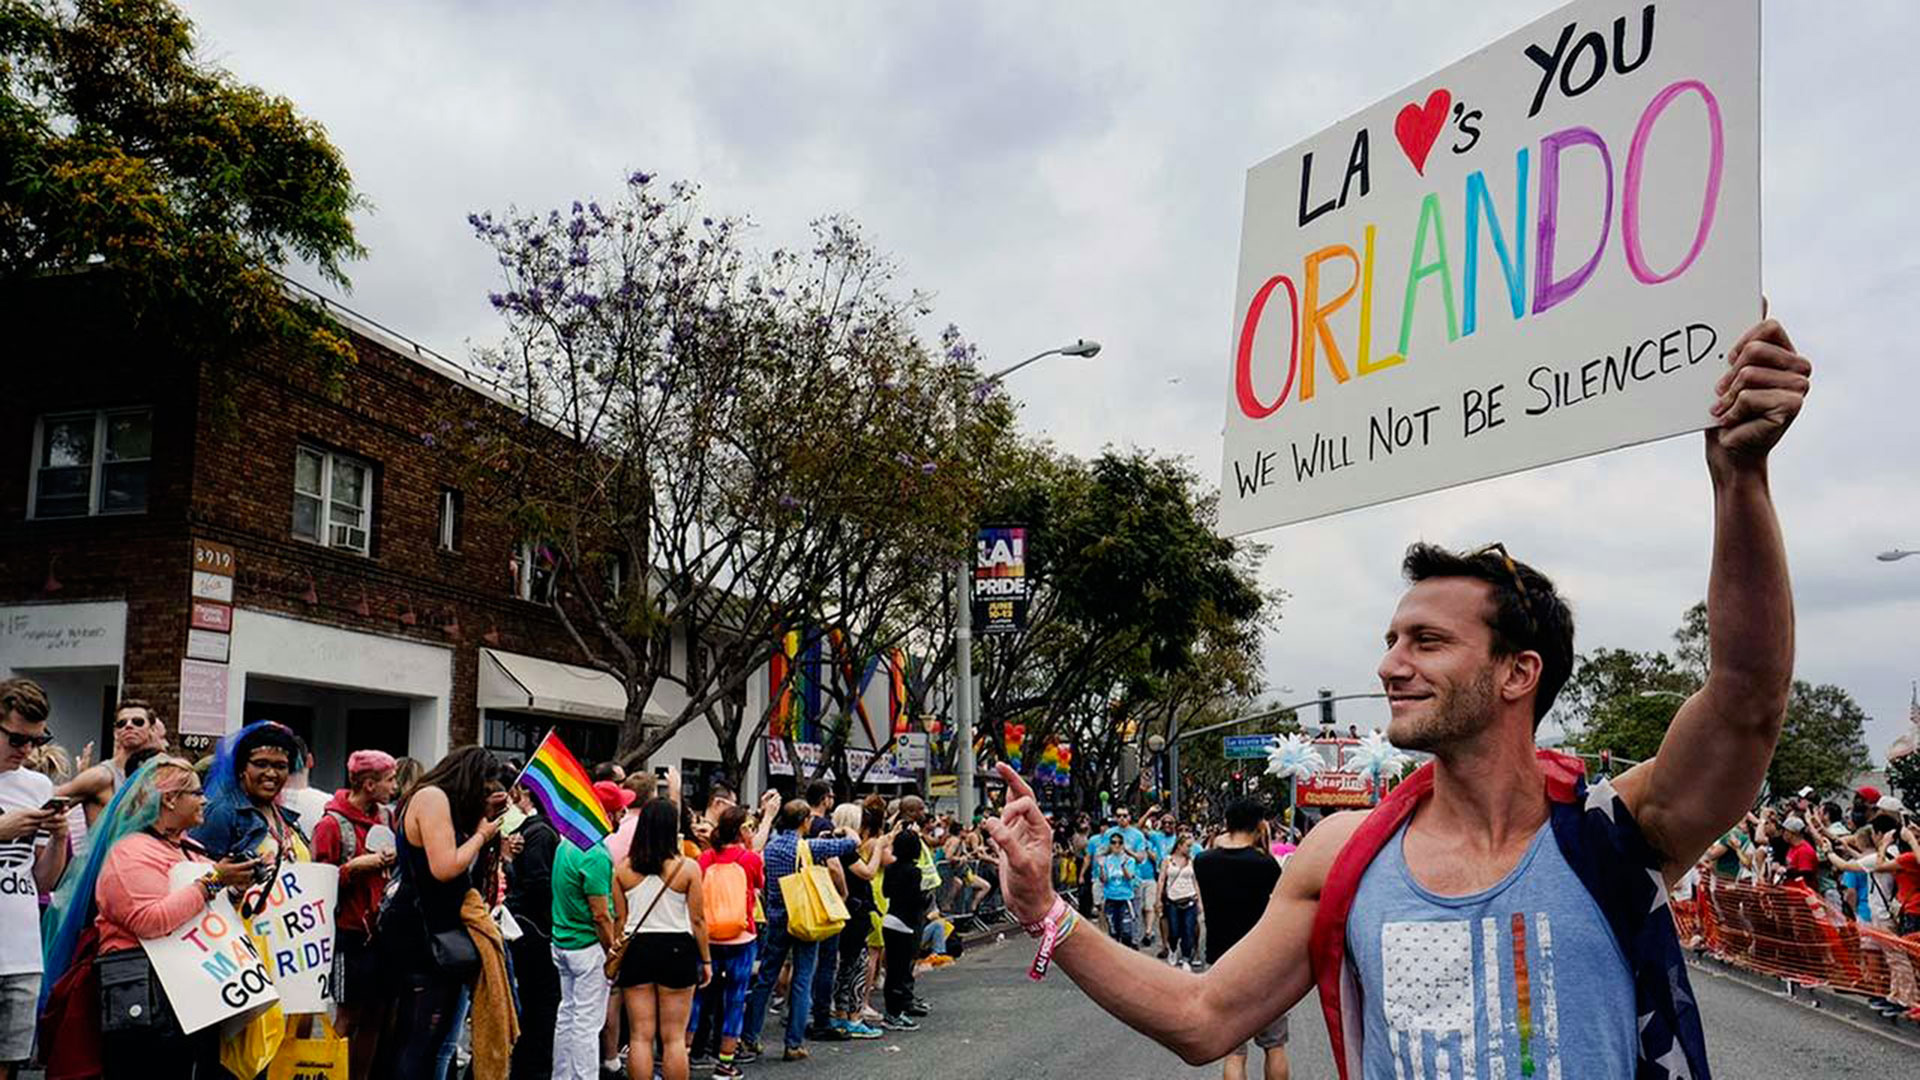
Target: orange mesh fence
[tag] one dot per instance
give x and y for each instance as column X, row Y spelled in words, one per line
column 1794, row 934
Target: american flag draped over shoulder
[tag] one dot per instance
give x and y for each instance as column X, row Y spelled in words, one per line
column 1604, row 846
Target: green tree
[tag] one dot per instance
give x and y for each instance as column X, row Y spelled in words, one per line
column 1823, row 742
column 1141, row 612
column 119, row 149
column 1623, row 701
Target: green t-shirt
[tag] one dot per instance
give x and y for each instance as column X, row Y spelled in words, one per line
column 577, row 875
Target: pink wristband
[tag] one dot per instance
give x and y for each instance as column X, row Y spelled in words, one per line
column 1048, row 931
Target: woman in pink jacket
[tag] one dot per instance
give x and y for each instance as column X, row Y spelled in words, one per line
column 141, row 838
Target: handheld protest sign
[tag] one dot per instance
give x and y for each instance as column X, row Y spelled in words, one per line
column 381, row 840
column 210, row 967
column 1539, row 253
column 294, row 923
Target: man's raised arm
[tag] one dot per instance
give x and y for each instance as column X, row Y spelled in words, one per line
column 1199, row 1017
column 1716, row 752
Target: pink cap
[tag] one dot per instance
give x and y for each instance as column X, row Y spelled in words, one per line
column 363, row 762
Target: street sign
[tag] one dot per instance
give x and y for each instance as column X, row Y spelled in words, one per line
column 1246, row 746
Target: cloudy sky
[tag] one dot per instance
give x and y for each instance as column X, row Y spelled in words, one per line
column 1076, row 169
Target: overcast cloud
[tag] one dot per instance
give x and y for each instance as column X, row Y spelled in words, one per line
column 1064, row 170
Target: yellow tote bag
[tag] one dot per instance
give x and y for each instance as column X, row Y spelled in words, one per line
column 249, row 1048
column 320, row 1055
column 815, row 911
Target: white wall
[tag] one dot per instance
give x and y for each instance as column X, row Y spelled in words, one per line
column 292, row 650
column 76, row 701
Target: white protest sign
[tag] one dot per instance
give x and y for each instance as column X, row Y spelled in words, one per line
column 209, row 967
column 1539, row 253
column 297, row 926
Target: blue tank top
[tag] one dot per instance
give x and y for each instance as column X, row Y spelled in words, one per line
column 1520, row 980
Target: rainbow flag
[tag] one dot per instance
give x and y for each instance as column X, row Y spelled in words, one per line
column 557, row 782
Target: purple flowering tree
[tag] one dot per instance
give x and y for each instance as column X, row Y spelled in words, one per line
column 717, row 444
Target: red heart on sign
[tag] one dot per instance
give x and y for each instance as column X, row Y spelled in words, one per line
column 1417, row 128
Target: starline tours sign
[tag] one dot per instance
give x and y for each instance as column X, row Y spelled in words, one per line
column 1539, row 253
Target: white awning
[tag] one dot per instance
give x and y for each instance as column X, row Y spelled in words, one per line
column 530, row 684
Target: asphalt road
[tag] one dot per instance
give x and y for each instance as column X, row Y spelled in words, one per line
column 991, row 1023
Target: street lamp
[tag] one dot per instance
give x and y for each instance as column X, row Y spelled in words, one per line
column 1895, row 555
column 965, row 708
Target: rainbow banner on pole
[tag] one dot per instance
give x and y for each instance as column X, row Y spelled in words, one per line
column 557, row 782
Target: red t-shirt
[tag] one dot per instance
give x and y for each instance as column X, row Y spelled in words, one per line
column 749, row 861
column 1906, row 881
column 1801, row 857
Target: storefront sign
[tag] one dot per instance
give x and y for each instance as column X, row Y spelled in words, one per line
column 1001, row 591
column 886, row 770
column 203, row 697
column 63, row 635
column 217, row 587
column 1539, row 253
column 208, row 615
column 210, row 967
column 1341, row 789
column 207, row 645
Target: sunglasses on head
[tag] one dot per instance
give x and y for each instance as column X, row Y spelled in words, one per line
column 20, row 741
column 1506, row 560
column 129, row 721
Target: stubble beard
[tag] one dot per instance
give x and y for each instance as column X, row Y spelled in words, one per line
column 1459, row 714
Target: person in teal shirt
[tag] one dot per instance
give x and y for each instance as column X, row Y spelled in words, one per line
column 1114, row 871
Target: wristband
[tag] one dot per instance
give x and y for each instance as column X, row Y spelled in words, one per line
column 1048, row 930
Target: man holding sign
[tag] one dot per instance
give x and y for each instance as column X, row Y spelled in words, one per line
column 1496, row 913
column 1496, row 868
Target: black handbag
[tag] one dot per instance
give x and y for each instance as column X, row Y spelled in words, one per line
column 131, row 998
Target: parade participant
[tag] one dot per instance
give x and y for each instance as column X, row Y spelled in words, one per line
column 243, row 791
column 447, row 823
column 530, row 899
column 658, row 905
column 731, row 874
column 1180, row 900
column 300, row 794
column 33, row 855
column 1114, row 871
column 781, row 856
column 1236, row 878
column 583, row 931
column 850, row 979
column 340, row 838
column 136, row 727
column 904, row 885
column 1480, row 850
column 121, row 896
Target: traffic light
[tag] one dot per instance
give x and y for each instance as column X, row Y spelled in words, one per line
column 1326, row 708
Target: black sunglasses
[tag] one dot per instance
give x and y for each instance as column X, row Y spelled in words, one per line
column 130, row 721
column 22, row 742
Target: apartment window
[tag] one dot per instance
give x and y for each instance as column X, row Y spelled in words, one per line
column 92, row 463
column 449, row 520
column 332, row 499
column 615, row 568
column 534, row 564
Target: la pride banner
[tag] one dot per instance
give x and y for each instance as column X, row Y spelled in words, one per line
column 1539, row 253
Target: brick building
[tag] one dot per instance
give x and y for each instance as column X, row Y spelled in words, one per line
column 370, row 605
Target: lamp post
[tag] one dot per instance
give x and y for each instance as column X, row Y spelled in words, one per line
column 965, row 707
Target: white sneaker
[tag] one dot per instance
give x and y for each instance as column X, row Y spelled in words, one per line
column 1173, row 961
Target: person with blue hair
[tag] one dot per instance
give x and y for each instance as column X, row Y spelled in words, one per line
column 244, row 817
column 123, row 894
